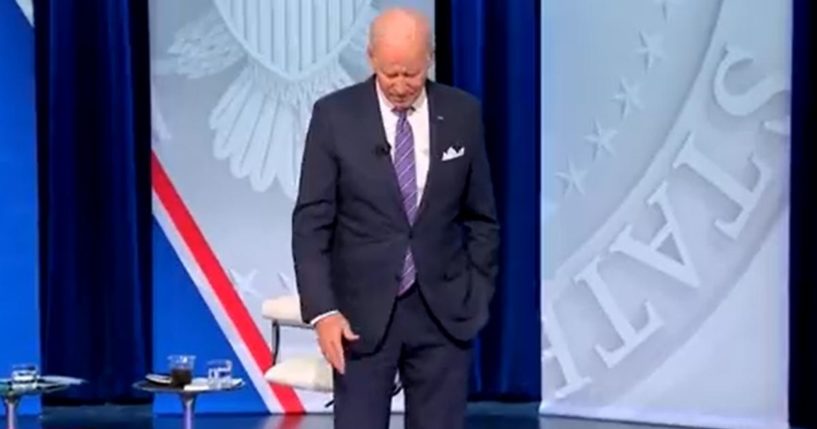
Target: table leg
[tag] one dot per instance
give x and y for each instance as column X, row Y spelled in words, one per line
column 188, row 408
column 10, row 403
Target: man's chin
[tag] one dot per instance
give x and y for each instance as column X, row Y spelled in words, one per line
column 403, row 103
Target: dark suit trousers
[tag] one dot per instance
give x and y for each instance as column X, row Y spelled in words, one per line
column 433, row 368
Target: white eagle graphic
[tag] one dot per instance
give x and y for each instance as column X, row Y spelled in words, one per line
column 294, row 52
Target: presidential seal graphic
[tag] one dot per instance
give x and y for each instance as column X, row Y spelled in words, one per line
column 665, row 171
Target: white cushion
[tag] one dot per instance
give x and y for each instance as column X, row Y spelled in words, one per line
column 284, row 309
column 307, row 372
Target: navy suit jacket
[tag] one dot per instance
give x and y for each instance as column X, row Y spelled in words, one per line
column 350, row 231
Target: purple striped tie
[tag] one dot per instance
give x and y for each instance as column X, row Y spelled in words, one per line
column 407, row 179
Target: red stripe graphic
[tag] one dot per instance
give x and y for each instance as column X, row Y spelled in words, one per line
column 217, row 278
column 290, row 422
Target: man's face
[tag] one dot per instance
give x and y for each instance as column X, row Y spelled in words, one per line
column 401, row 69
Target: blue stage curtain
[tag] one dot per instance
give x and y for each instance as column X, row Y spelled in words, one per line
column 94, row 143
column 803, row 254
column 491, row 49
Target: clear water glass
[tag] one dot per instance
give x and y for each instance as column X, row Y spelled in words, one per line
column 219, row 373
column 24, row 373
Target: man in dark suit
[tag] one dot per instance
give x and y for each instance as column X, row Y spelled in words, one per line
column 395, row 235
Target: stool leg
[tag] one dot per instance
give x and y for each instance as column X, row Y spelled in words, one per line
column 276, row 341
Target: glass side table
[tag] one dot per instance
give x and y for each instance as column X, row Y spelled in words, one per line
column 14, row 391
column 189, row 393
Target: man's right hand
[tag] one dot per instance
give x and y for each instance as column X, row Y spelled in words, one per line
column 332, row 330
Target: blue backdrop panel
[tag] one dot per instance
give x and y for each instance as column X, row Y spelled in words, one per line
column 18, row 199
column 191, row 334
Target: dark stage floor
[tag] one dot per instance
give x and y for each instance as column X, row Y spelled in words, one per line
column 481, row 416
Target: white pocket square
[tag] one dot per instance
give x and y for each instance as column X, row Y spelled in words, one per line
column 452, row 153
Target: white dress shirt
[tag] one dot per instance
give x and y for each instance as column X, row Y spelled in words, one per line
column 418, row 119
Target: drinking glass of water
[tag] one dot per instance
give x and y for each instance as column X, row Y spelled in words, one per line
column 24, row 373
column 219, row 373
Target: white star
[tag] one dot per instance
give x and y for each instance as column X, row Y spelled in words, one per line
column 244, row 284
column 665, row 6
column 601, row 139
column 573, row 178
column 629, row 98
column 287, row 283
column 653, row 47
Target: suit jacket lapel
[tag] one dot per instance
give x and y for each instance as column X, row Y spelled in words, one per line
column 434, row 123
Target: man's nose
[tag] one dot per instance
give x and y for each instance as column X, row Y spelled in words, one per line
column 400, row 89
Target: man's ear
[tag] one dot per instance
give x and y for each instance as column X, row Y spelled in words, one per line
column 370, row 57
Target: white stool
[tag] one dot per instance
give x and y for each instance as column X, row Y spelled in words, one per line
column 304, row 372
